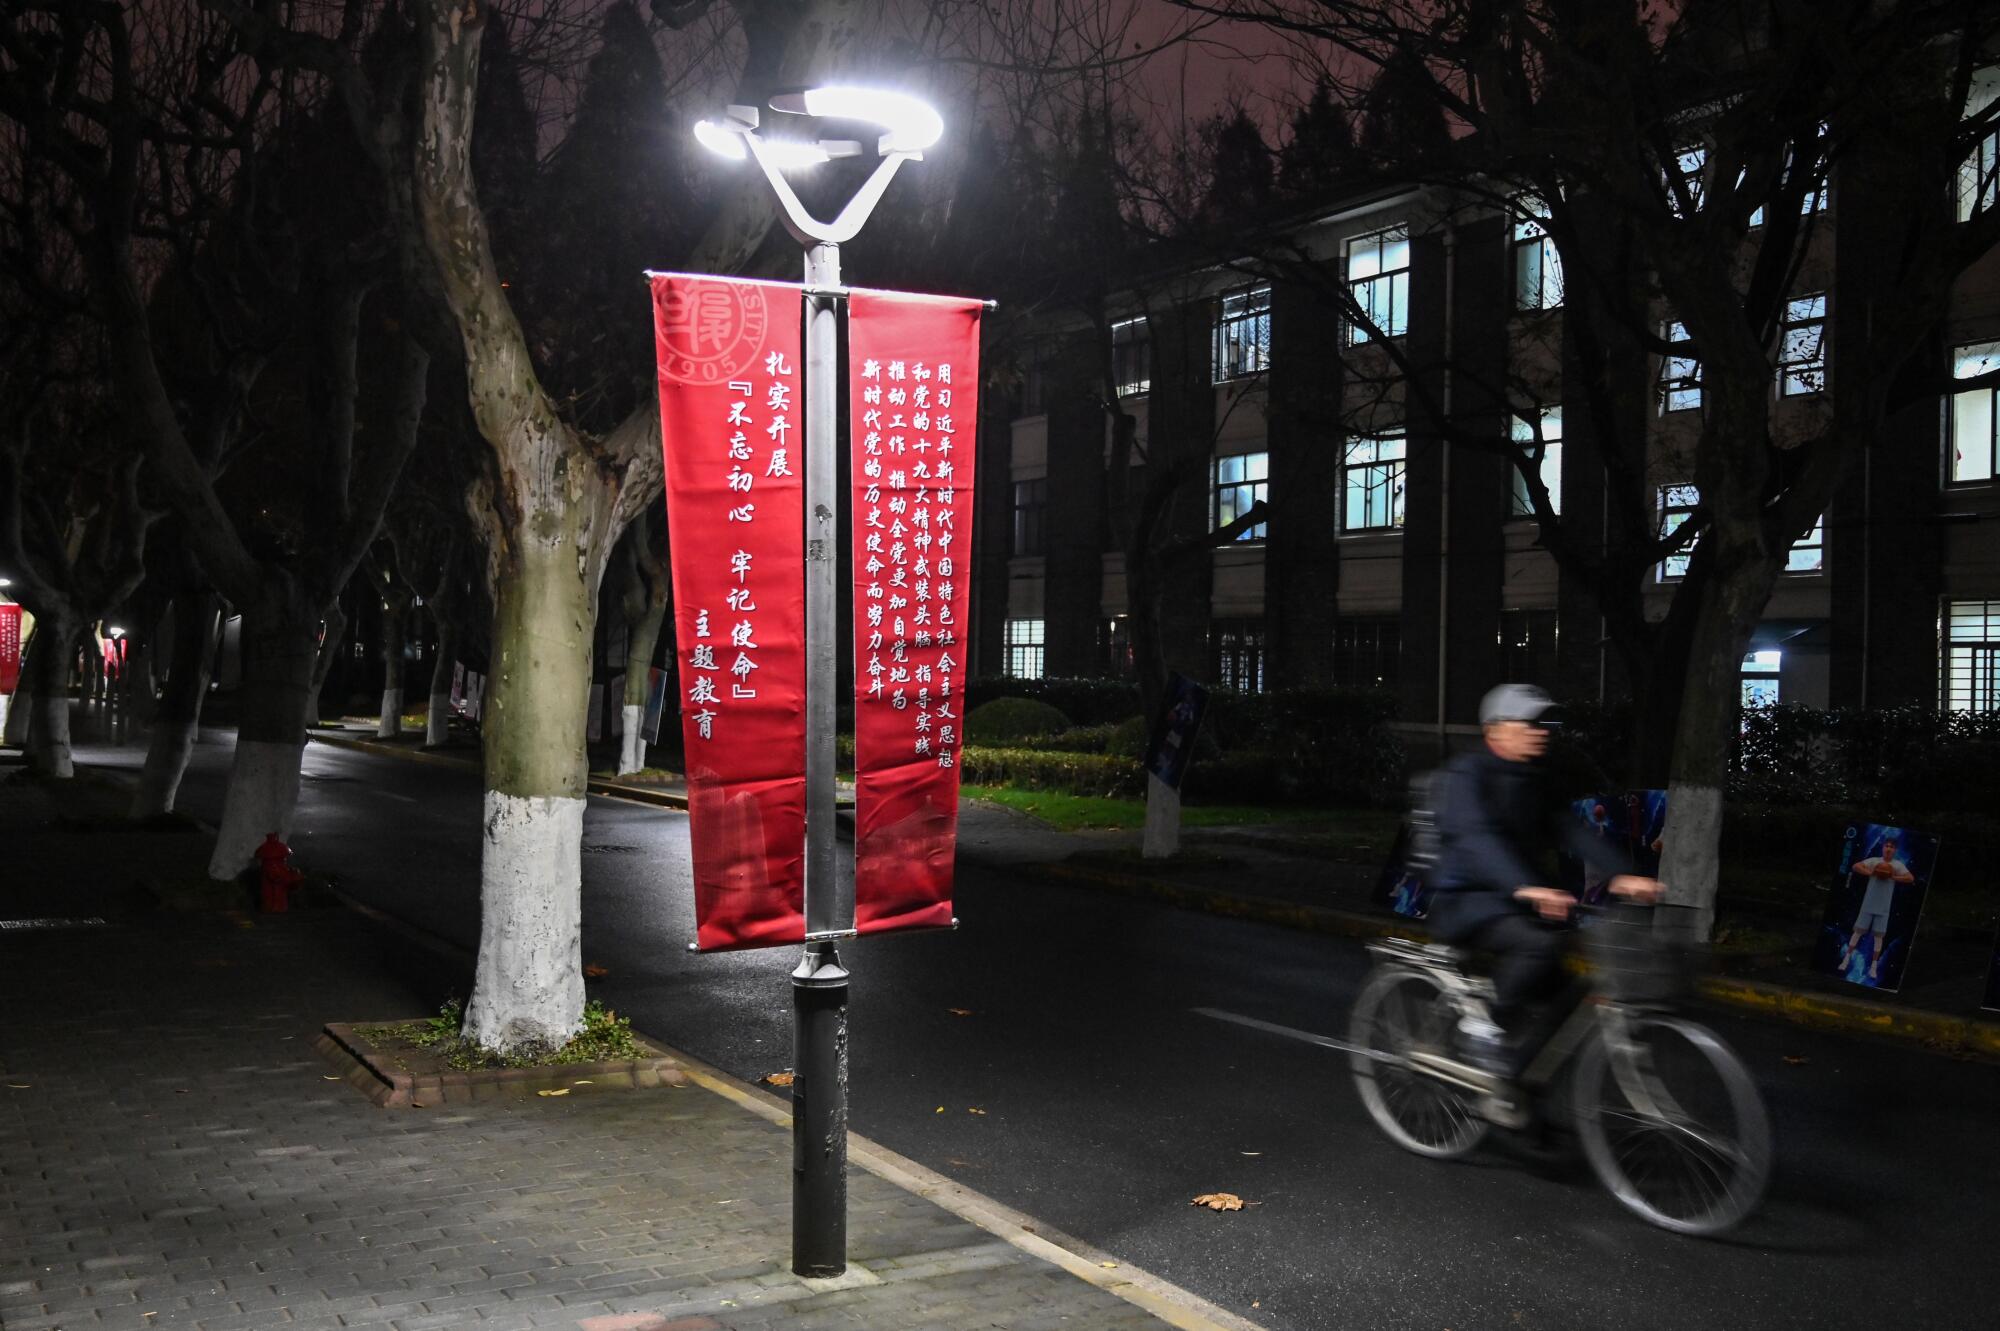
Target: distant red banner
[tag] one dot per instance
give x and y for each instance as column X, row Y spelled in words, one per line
column 913, row 367
column 732, row 422
column 10, row 648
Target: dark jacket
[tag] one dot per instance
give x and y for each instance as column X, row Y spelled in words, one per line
column 1496, row 821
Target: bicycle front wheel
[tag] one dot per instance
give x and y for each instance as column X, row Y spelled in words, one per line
column 1401, row 1012
column 1672, row 1123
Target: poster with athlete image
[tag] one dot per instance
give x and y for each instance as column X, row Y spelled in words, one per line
column 1632, row 822
column 1872, row 911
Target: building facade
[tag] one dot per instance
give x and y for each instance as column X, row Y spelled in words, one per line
column 1393, row 555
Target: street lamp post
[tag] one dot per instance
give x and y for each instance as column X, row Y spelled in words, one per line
column 820, row 982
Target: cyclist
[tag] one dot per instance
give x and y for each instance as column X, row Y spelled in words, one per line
column 1495, row 824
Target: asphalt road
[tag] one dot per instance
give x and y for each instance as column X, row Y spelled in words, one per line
column 1109, row 1101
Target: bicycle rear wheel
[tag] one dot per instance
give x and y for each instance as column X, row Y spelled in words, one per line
column 1399, row 1012
column 1673, row 1126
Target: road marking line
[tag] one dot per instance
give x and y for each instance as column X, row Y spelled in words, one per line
column 1272, row 1027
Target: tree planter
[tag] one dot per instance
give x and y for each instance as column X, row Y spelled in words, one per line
column 409, row 1078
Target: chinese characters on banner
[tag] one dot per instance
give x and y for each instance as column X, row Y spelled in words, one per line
column 913, row 369
column 10, row 648
column 732, row 423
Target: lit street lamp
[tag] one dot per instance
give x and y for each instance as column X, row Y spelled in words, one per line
column 819, row 986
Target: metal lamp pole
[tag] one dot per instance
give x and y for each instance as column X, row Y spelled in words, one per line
column 819, row 984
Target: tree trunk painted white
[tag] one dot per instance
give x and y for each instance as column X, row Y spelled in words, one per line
column 1689, row 861
column 331, row 641
column 278, row 658
column 530, row 977
column 437, row 722
column 395, row 616
column 391, row 724
column 48, row 742
column 1162, row 837
column 177, row 723
column 632, row 753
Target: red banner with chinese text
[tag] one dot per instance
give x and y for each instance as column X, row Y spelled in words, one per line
column 732, row 423
column 10, row 648
column 913, row 368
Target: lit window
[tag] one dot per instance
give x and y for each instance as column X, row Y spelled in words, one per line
column 1677, row 505
column 1239, row 654
column 1030, row 501
column 1760, row 678
column 1802, row 347
column 1240, row 481
column 1372, row 484
column 1132, row 356
column 1814, row 199
column 1979, row 174
column 1378, row 277
column 1680, row 372
column 1023, row 641
column 1808, row 553
column 1550, row 466
column 1538, row 274
column 1970, row 678
column 1684, row 180
column 1973, row 420
column 1243, row 334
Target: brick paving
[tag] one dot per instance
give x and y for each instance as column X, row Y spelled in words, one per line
column 173, row 1154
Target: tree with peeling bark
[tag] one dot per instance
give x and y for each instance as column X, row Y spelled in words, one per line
column 1680, row 157
column 386, row 582
column 554, row 504
column 645, row 594
column 212, row 134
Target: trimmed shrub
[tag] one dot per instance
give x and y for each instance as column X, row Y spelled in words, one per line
column 1088, row 702
column 1077, row 739
column 1067, row 773
column 1007, row 720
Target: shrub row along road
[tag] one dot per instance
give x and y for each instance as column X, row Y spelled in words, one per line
column 1109, row 1102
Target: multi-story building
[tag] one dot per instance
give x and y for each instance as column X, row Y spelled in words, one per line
column 1392, row 557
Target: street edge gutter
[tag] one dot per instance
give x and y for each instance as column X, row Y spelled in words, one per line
column 616, row 790
column 1939, row 1032
column 1165, row 1300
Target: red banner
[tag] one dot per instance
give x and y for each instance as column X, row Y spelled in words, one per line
column 913, row 363
column 732, row 422
column 10, row 648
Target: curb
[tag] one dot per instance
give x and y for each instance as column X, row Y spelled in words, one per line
column 1968, row 1037
column 1169, row 1302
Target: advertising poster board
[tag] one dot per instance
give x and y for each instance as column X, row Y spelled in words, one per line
column 1877, row 898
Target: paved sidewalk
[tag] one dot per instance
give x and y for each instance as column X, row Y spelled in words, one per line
column 173, row 1154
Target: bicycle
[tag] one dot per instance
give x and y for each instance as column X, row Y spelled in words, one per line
column 1670, row 1120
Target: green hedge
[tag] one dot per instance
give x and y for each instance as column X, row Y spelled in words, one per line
column 1006, row 721
column 1087, row 702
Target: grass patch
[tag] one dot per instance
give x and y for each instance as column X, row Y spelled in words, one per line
column 1073, row 813
column 645, row 776
column 606, row 1037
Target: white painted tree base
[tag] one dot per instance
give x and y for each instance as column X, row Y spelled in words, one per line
column 48, row 737
column 528, row 989
column 632, row 754
column 263, row 795
column 437, row 724
column 1162, row 837
column 1690, row 858
column 391, row 724
column 166, row 760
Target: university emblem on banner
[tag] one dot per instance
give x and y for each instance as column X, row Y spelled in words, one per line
column 709, row 332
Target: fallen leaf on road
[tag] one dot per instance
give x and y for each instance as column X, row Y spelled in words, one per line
column 1109, row 1266
column 959, row 1011
column 1219, row 1201
column 940, row 1109
column 1796, row 1059
column 584, row 1082
column 980, row 1112
column 780, row 1078
column 20, row 1085
column 562, row 1091
column 1249, row 1153
column 595, row 972
column 328, row 1077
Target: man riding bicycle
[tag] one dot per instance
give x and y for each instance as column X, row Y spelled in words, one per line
column 1495, row 825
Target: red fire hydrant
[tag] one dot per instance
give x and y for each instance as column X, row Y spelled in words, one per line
column 275, row 879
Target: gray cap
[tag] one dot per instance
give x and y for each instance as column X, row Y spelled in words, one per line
column 1515, row 702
